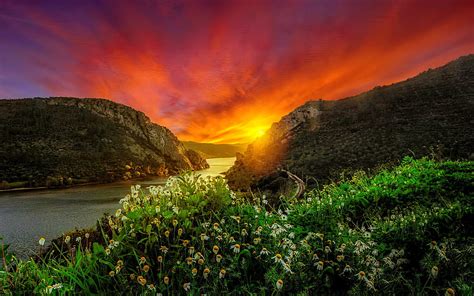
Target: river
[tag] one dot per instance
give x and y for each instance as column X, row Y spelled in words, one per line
column 27, row 216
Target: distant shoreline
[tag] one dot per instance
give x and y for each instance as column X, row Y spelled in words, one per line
column 40, row 188
column 26, row 189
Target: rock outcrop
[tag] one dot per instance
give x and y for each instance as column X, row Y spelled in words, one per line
column 70, row 140
column 430, row 114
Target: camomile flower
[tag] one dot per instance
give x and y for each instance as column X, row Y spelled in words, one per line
column 264, row 251
column 185, row 242
column 222, row 273
column 257, row 240
column 107, row 251
column 342, row 248
column 113, row 244
column 206, row 273
column 244, row 232
column 287, row 268
column 279, row 284
column 320, row 265
column 434, row 271
column 151, row 287
column 146, row 268
column 160, row 259
column 175, row 209
column 198, row 255
column 167, row 233
column 187, row 286
column 215, row 249
column 164, row 249
column 191, row 250
column 204, row 237
column 132, row 276
column 235, row 248
column 180, row 231
column 348, row 268
column 142, row 260
column 141, row 280
column 175, row 222
column 49, row 289
column 41, row 241
column 339, row 258
column 166, row 280
column 278, row 258
column 194, row 271
column 201, row 261
column 189, row 260
column 112, row 273
column 449, row 292
column 361, row 275
column 218, row 258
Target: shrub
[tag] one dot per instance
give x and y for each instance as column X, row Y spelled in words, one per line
column 402, row 231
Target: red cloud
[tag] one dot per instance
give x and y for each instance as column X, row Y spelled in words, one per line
column 224, row 71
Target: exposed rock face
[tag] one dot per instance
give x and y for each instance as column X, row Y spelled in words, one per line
column 321, row 139
column 85, row 140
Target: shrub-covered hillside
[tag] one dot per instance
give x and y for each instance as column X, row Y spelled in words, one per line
column 322, row 139
column 64, row 141
column 405, row 231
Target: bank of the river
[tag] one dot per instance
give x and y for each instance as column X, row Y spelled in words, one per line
column 25, row 216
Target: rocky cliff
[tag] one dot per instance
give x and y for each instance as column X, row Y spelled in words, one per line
column 430, row 114
column 54, row 141
column 211, row 150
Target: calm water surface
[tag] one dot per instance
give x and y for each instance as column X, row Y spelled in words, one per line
column 26, row 216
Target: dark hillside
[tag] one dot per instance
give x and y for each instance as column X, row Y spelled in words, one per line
column 430, row 113
column 59, row 141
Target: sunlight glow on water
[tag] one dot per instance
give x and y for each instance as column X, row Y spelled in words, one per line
column 26, row 216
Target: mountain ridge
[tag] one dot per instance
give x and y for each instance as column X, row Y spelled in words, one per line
column 322, row 139
column 49, row 140
column 211, row 150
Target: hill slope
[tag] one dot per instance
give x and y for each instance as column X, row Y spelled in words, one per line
column 62, row 140
column 321, row 139
column 210, row 150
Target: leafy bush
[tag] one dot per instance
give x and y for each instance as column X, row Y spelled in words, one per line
column 407, row 230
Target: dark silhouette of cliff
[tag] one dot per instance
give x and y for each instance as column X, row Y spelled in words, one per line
column 430, row 114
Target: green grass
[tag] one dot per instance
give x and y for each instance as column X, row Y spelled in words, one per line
column 406, row 230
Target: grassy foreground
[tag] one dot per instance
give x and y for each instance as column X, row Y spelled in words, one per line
column 405, row 231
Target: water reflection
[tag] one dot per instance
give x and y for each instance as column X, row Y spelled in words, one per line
column 26, row 216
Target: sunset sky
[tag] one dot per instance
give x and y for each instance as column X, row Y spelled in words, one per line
column 223, row 71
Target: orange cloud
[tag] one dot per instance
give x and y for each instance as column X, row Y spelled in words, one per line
column 223, row 71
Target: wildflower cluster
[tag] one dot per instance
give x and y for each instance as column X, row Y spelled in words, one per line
column 194, row 235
